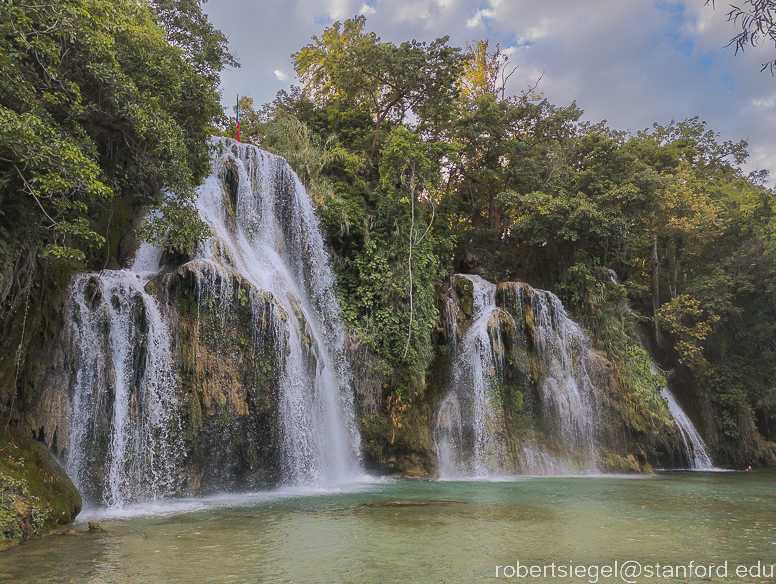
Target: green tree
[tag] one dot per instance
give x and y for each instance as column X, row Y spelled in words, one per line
column 105, row 110
column 654, row 239
column 96, row 103
column 203, row 46
column 357, row 70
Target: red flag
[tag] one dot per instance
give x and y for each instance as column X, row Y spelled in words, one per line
column 238, row 118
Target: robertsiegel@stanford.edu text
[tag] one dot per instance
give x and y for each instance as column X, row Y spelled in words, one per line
column 631, row 571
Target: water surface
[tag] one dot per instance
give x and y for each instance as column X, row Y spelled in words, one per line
column 415, row 531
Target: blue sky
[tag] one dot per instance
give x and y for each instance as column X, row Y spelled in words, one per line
column 630, row 62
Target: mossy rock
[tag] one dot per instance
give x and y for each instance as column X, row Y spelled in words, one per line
column 515, row 298
column 465, row 290
column 230, row 177
column 501, row 324
column 36, row 495
column 628, row 464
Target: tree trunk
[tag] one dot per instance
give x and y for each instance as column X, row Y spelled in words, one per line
column 497, row 219
column 677, row 269
column 491, row 208
column 655, row 291
column 381, row 115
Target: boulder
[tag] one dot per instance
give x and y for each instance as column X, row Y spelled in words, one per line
column 36, row 495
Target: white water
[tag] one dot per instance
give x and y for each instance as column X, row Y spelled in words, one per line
column 124, row 444
column 694, row 447
column 536, row 462
column 467, row 406
column 470, row 413
column 183, row 505
column 276, row 245
column 569, row 395
column 147, row 260
column 123, row 407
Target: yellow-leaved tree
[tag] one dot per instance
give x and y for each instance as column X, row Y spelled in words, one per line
column 687, row 218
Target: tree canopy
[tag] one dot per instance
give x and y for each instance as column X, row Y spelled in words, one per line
column 104, row 106
column 655, row 238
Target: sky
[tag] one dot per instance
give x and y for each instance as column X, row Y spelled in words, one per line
column 629, row 62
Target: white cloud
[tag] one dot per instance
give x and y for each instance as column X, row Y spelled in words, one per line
column 409, row 12
column 339, row 9
column 534, row 33
column 366, row 10
column 764, row 104
column 482, row 14
column 280, row 75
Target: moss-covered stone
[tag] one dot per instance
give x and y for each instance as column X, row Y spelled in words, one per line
column 515, row 297
column 230, row 176
column 465, row 290
column 35, row 493
column 627, row 464
column 231, row 357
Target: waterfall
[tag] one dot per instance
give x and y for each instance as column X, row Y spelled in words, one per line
column 695, row 450
column 123, row 395
column 519, row 342
column 536, row 462
column 130, row 348
column 264, row 228
column 568, row 392
column 467, row 405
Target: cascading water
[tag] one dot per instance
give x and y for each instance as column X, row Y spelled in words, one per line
column 268, row 233
column 123, row 408
column 568, row 393
column 695, row 450
column 515, row 331
column 467, row 406
column 540, row 463
column 129, row 351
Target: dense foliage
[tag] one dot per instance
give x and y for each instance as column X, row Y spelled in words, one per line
column 657, row 241
column 105, row 110
column 102, row 104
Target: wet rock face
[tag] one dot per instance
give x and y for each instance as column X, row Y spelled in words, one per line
column 493, row 405
column 231, row 355
column 464, row 288
column 230, row 177
column 202, row 400
column 128, row 242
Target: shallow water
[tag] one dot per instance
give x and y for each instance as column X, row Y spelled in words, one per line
column 421, row 532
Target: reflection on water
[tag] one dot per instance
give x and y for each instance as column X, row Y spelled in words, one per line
column 417, row 531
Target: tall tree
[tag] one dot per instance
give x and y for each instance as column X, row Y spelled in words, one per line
column 96, row 102
column 102, row 113
column 486, row 72
column 347, row 65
